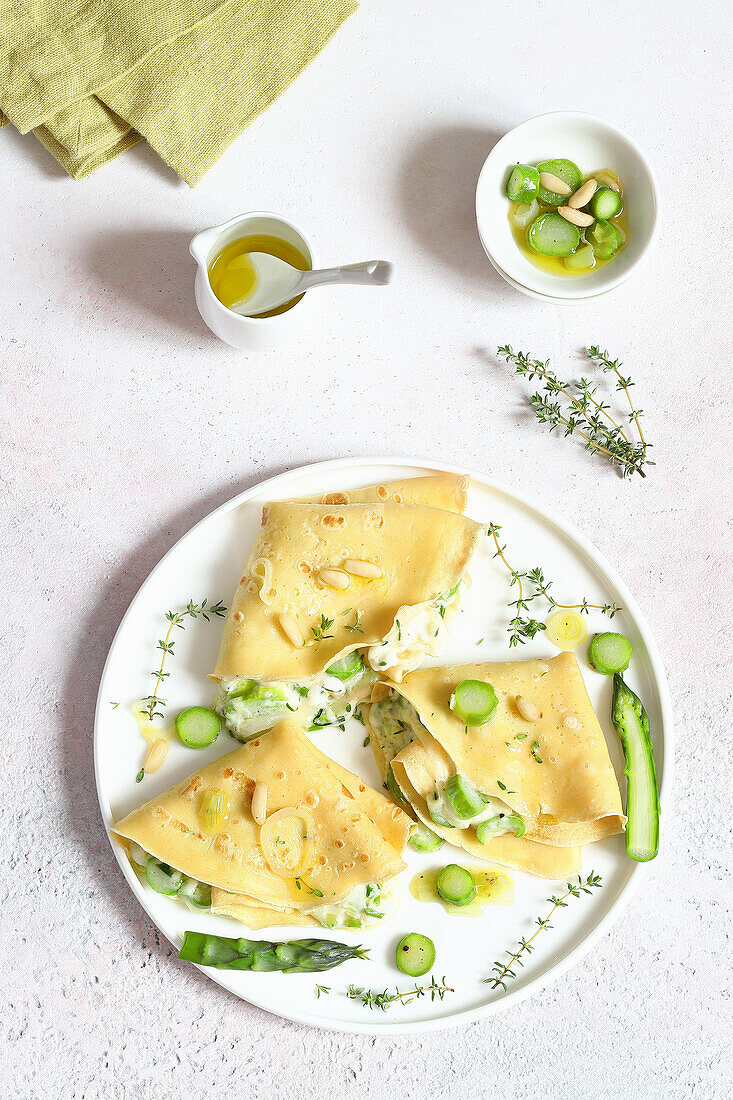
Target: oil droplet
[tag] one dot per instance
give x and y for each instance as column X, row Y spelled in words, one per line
column 493, row 887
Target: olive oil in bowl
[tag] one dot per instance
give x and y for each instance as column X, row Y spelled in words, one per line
column 232, row 275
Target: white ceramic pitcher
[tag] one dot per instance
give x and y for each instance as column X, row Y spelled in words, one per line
column 249, row 333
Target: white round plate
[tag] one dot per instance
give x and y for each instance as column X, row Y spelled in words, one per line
column 207, row 563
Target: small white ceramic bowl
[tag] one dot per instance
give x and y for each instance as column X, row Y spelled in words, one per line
column 248, row 333
column 536, row 294
column 593, row 144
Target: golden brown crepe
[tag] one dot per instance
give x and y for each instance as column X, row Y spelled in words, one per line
column 359, row 834
column 448, row 491
column 569, row 799
column 423, row 553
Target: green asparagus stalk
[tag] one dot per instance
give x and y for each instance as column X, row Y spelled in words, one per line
column 298, row 956
column 642, row 800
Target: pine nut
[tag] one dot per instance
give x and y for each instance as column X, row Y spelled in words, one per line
column 334, row 578
column 607, row 180
column 527, row 709
column 553, row 183
column 576, row 217
column 583, row 195
column 259, row 803
column 291, row 630
column 156, row 755
column 359, row 568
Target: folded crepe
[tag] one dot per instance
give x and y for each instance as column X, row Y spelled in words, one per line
column 448, row 491
column 548, row 786
column 309, row 629
column 327, row 854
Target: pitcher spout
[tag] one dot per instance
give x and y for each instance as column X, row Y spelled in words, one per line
column 200, row 246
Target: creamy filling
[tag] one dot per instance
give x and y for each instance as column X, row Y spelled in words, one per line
column 362, row 907
column 418, row 631
column 395, row 723
column 249, row 706
column 441, row 806
column 167, row 880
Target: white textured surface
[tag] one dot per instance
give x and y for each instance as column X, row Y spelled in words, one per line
column 124, row 422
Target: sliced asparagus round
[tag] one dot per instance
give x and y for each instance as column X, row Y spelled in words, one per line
column 473, row 702
column 498, row 825
column 609, row 653
column 606, row 239
column 162, row 878
column 551, row 235
column 566, row 172
column 425, row 840
column 456, row 885
column 605, row 203
column 523, row 183
column 466, row 801
column 415, row 954
column 198, row 727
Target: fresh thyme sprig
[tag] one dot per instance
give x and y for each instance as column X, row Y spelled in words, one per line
column 383, row 1000
column 154, row 703
column 576, row 408
column 537, row 578
column 319, row 632
column 531, row 585
column 521, row 625
column 322, row 989
column 622, row 383
column 503, row 971
column 355, row 627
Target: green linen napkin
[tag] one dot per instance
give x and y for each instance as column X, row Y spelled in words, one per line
column 54, row 53
column 192, row 96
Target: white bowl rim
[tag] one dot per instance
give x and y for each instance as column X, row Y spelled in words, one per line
column 541, row 296
column 573, row 292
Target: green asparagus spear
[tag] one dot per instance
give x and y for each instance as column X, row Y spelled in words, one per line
column 298, row 956
column 642, row 801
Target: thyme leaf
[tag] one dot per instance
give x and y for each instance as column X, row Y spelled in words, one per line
column 383, row 1000
column 504, row 971
column 176, row 619
column 319, row 632
column 578, row 409
column 531, row 585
